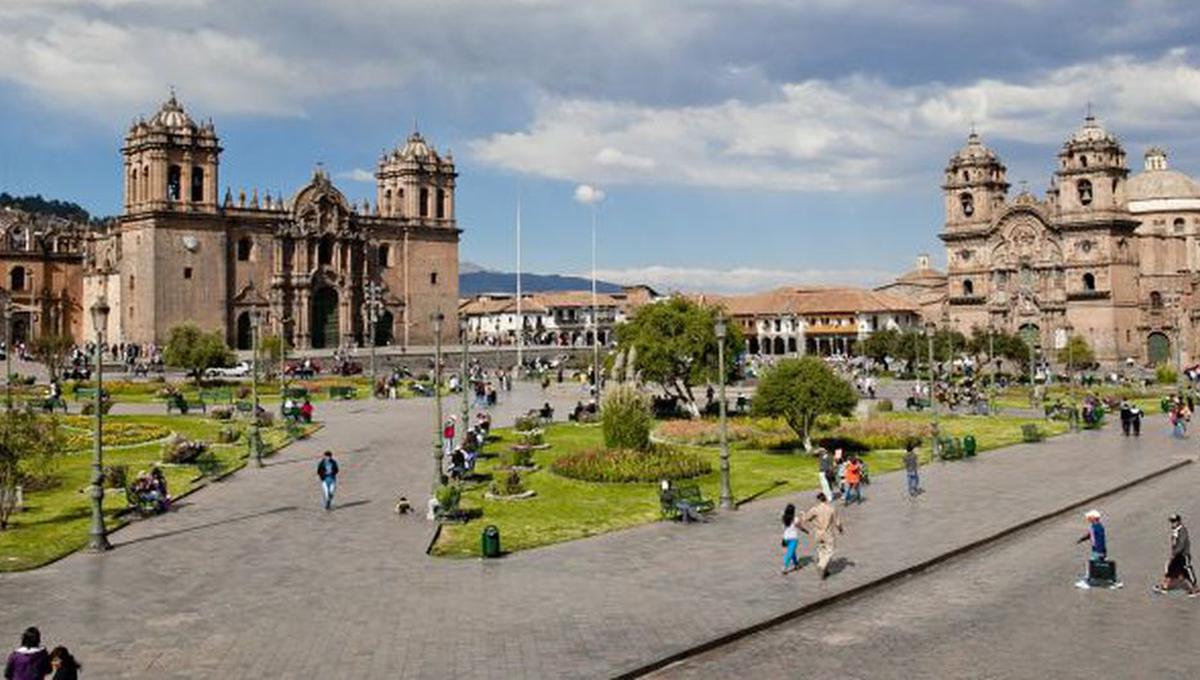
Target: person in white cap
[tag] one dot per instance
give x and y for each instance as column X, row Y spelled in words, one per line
column 1099, row 545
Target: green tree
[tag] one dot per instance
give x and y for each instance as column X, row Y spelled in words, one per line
column 625, row 419
column 52, row 349
column 673, row 343
column 1077, row 351
column 800, row 390
column 28, row 444
column 271, row 349
column 881, row 344
column 191, row 348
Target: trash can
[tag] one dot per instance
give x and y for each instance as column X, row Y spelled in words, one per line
column 491, row 541
column 969, row 446
column 1165, row 404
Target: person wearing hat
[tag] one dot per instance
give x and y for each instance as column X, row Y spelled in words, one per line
column 1099, row 543
column 1179, row 566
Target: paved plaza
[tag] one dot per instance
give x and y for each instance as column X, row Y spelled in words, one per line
column 249, row 578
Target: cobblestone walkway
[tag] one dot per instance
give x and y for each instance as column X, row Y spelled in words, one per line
column 252, row 579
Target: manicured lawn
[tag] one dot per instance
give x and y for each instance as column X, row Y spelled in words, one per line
column 149, row 391
column 1018, row 397
column 55, row 521
column 566, row 509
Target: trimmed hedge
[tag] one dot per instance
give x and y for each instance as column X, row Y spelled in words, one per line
column 626, row 466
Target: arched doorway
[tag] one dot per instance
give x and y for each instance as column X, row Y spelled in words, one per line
column 244, row 332
column 779, row 346
column 752, row 344
column 1030, row 334
column 325, row 318
column 1158, row 348
column 383, row 329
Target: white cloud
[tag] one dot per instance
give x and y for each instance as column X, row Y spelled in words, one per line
column 357, row 175
column 739, row 279
column 588, row 194
column 856, row 132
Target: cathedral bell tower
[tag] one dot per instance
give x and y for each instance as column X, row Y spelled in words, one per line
column 1091, row 172
column 975, row 186
column 416, row 183
column 171, row 163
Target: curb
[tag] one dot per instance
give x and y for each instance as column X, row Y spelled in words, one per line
column 869, row 586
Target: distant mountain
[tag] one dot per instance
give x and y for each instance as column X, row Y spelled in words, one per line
column 475, row 280
column 42, row 206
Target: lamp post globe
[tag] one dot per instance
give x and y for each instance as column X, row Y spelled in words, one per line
column 98, row 535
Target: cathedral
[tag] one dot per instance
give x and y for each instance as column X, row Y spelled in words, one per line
column 1112, row 257
column 179, row 253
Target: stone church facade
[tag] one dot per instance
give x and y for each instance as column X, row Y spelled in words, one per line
column 180, row 254
column 1111, row 257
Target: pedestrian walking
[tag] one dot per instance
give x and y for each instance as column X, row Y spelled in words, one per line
column 64, row 665
column 854, row 477
column 1099, row 570
column 1135, row 417
column 828, row 476
column 1179, row 566
column 791, row 539
column 823, row 519
column 327, row 472
column 29, row 661
column 448, row 436
column 912, row 469
column 1126, row 418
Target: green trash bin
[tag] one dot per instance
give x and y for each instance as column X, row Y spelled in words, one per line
column 1165, row 404
column 969, row 446
column 491, row 541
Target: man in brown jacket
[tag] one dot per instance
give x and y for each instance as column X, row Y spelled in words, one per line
column 823, row 519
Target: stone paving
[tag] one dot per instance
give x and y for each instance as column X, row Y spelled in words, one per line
column 252, row 579
column 1010, row 611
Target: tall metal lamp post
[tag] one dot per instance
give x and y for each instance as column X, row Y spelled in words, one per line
column 463, row 382
column 372, row 309
column 9, row 310
column 98, row 536
column 726, row 488
column 1074, row 422
column 935, row 445
column 255, row 434
column 437, row 319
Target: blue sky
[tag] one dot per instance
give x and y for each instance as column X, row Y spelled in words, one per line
column 739, row 145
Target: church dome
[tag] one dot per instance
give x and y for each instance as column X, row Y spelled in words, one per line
column 1159, row 182
column 417, row 149
column 1091, row 132
column 172, row 117
column 973, row 151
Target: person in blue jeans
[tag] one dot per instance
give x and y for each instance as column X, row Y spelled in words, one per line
column 327, row 471
column 791, row 539
column 912, row 469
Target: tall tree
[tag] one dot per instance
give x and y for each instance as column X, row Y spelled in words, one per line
column 673, row 343
column 1077, row 352
column 28, row 444
column 52, row 349
column 191, row 348
column 799, row 390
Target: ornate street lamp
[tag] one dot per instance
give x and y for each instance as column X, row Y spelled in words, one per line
column 372, row 309
column 462, row 383
column 437, row 319
column 726, row 489
column 9, row 310
column 98, row 536
column 935, row 445
column 255, row 434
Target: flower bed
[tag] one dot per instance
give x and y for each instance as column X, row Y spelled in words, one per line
column 623, row 465
column 869, row 435
column 115, row 433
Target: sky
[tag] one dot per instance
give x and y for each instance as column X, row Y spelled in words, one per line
column 730, row 146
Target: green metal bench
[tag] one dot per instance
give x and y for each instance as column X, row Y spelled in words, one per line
column 243, row 406
column 342, row 392
column 84, row 394
column 183, row 405
column 687, row 492
column 47, row 404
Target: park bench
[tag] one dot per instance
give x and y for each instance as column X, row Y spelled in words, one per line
column 243, row 406
column 85, row 394
column 217, row 396
column 342, row 392
column 47, row 404
column 688, row 492
column 182, row 404
column 295, row 393
column 915, row 404
column 143, row 504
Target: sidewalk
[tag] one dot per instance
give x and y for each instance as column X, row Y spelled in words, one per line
column 255, row 581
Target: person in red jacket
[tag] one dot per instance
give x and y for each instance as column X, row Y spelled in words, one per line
column 853, row 476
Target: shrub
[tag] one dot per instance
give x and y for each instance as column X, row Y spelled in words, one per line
column 180, row 451
column 243, row 392
column 116, row 476
column 448, row 496
column 884, row 406
column 626, row 419
column 510, row 485
column 531, row 437
column 827, row 421
column 228, row 435
column 89, row 408
column 525, row 424
column 1031, row 433
column 625, row 465
column 1166, row 374
column 870, row 435
column 221, row 413
column 518, row 457
column 266, row 419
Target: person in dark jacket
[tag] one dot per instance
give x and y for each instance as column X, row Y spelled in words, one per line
column 327, row 471
column 64, row 664
column 29, row 661
column 1179, row 567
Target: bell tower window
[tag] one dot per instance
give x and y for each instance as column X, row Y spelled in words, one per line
column 424, row 202
column 968, row 203
column 441, row 204
column 968, row 287
column 1089, row 282
column 197, row 184
column 174, row 178
column 1085, row 192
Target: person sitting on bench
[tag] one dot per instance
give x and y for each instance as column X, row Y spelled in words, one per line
column 687, row 513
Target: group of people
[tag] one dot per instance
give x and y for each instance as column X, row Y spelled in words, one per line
column 1178, row 571
column 1131, row 419
column 822, row 522
column 842, row 476
column 151, row 488
column 302, row 413
column 31, row 661
column 1180, row 414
